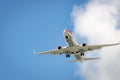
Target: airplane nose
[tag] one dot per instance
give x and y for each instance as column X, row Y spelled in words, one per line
column 65, row 30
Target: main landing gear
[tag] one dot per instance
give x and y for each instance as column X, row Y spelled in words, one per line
column 67, row 56
column 82, row 54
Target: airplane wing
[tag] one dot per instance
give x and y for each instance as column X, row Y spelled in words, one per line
column 64, row 50
column 95, row 47
column 56, row 51
column 51, row 52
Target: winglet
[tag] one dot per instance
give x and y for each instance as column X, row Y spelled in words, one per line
column 34, row 52
column 118, row 42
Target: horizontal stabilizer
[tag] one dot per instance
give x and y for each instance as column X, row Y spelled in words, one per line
column 90, row 59
column 85, row 59
column 73, row 61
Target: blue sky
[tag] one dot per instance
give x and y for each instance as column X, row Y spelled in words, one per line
column 26, row 25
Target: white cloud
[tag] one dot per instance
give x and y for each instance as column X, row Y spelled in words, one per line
column 98, row 22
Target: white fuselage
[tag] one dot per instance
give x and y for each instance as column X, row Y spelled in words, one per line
column 72, row 42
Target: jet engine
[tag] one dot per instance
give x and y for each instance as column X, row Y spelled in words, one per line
column 59, row 47
column 84, row 44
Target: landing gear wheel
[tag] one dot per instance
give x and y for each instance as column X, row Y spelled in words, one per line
column 82, row 54
column 67, row 56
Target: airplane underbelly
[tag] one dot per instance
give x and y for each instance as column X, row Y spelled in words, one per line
column 78, row 57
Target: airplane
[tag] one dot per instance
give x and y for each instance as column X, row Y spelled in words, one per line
column 73, row 48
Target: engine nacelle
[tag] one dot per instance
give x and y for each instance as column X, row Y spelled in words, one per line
column 59, row 47
column 84, row 44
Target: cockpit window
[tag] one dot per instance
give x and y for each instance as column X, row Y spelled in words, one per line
column 66, row 37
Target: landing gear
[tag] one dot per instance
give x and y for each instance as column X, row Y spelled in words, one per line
column 82, row 54
column 67, row 56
